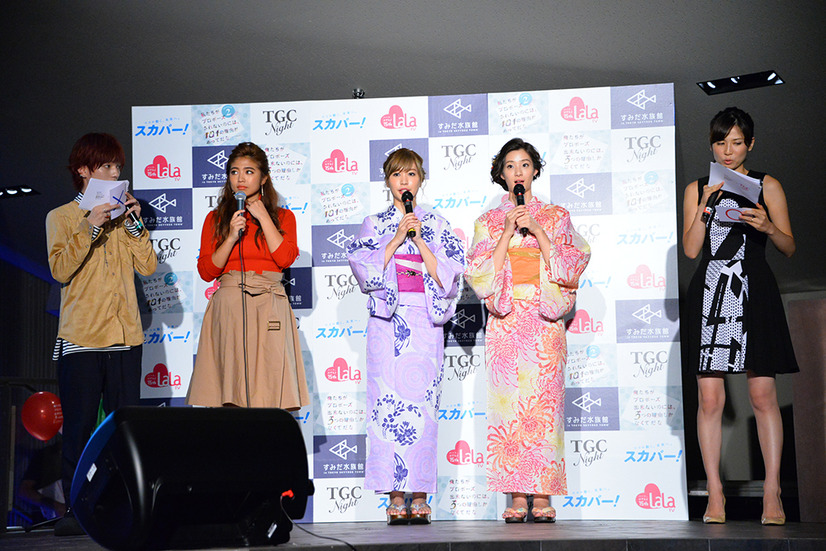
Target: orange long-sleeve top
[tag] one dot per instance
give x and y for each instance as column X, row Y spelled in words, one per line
column 257, row 259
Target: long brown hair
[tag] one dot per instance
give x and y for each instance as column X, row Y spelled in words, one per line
column 227, row 206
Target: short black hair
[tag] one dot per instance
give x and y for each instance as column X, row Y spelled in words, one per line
column 514, row 145
column 725, row 120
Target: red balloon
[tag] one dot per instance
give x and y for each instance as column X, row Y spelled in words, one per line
column 42, row 415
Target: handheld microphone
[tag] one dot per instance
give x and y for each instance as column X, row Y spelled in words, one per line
column 519, row 192
column 407, row 199
column 240, row 198
column 711, row 202
column 136, row 220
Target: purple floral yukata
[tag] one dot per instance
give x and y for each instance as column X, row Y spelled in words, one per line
column 405, row 346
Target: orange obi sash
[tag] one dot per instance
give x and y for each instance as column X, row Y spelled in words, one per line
column 525, row 265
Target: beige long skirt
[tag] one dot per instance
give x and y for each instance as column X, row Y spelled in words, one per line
column 273, row 373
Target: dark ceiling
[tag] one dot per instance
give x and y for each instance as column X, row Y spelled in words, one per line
column 75, row 67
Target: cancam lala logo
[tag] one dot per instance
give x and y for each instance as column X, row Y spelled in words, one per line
column 280, row 120
column 337, row 163
column 653, row 498
column 462, row 454
column 161, row 378
column 459, row 155
column 344, row 497
column 582, row 323
column 644, row 278
column 211, row 289
column 340, row 372
column 589, row 451
column 578, row 111
column 161, row 169
column 396, row 118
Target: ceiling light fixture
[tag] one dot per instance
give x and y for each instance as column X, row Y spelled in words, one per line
column 740, row 82
column 17, row 191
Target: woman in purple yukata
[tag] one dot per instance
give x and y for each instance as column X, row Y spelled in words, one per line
column 410, row 265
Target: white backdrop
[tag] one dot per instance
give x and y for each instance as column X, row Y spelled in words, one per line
column 609, row 155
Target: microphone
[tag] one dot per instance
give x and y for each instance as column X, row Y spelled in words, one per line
column 519, row 192
column 135, row 220
column 240, row 198
column 711, row 202
column 407, row 199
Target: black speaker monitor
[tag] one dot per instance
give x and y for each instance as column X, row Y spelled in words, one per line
column 191, row 477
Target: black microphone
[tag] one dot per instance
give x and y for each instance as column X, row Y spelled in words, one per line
column 519, row 192
column 241, row 198
column 135, row 220
column 407, row 199
column 711, row 202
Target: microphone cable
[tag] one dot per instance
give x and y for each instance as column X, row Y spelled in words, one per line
column 244, row 319
column 289, row 493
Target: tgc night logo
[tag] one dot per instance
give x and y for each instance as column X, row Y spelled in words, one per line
column 344, row 497
column 649, row 362
column 460, row 366
column 642, row 147
column 279, row 120
column 341, row 285
column 166, row 248
column 588, row 451
column 458, row 155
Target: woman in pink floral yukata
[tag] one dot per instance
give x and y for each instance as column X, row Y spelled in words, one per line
column 525, row 263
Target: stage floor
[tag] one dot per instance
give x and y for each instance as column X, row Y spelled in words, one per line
column 491, row 535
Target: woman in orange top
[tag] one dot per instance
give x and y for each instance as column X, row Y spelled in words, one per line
column 249, row 353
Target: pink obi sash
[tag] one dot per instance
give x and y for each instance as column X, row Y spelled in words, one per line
column 409, row 273
column 525, row 265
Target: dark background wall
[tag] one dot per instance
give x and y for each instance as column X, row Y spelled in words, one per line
column 73, row 67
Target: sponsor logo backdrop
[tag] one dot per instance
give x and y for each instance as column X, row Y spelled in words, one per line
column 609, row 155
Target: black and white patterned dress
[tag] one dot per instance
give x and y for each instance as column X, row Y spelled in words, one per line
column 735, row 319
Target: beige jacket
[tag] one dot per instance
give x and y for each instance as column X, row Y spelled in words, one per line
column 98, row 304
